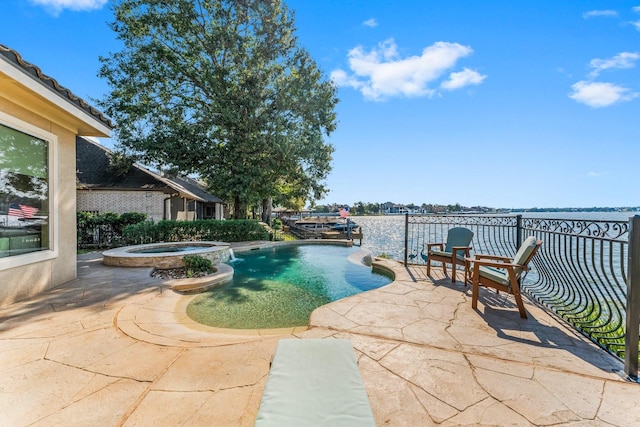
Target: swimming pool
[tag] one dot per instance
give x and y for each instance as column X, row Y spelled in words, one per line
column 278, row 287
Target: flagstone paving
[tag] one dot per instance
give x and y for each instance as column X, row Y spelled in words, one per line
column 115, row 348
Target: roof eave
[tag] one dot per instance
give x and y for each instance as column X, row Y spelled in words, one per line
column 53, row 94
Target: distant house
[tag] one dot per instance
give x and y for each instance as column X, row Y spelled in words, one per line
column 390, row 208
column 39, row 122
column 393, row 209
column 102, row 189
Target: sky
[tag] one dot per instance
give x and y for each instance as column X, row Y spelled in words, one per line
column 514, row 104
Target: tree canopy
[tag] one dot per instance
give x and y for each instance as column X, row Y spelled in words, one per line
column 221, row 89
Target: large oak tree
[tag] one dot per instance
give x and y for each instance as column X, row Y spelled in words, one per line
column 221, row 88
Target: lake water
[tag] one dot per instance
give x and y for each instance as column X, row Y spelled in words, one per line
column 385, row 234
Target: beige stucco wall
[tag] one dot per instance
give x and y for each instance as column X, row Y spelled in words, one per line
column 122, row 201
column 24, row 281
column 64, row 269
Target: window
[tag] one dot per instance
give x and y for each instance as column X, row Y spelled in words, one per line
column 24, row 192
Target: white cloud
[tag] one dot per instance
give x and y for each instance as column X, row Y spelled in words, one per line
column 621, row 60
column 596, row 95
column 463, row 78
column 594, row 174
column 371, row 23
column 381, row 73
column 636, row 23
column 594, row 13
column 56, row 6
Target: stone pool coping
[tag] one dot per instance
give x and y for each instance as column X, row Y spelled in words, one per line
column 127, row 257
column 222, row 275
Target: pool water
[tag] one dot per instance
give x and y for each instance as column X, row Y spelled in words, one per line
column 280, row 286
column 163, row 249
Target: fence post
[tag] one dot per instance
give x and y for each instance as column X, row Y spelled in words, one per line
column 633, row 300
column 518, row 231
column 406, row 237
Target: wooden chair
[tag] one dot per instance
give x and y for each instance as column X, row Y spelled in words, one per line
column 503, row 273
column 452, row 252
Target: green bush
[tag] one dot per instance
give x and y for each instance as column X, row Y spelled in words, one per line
column 197, row 265
column 276, row 224
column 200, row 230
column 104, row 230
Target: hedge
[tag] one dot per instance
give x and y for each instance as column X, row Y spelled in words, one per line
column 104, row 230
column 203, row 230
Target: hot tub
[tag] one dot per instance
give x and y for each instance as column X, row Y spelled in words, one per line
column 165, row 255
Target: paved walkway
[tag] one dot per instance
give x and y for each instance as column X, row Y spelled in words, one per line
column 108, row 349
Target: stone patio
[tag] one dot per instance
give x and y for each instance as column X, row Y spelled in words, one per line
column 114, row 348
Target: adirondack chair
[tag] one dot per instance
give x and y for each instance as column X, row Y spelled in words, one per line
column 503, row 273
column 452, row 252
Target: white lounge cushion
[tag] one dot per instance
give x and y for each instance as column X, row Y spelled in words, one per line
column 314, row 382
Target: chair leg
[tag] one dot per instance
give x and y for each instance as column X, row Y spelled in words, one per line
column 467, row 274
column 428, row 267
column 467, row 277
column 521, row 309
column 475, row 288
column 453, row 272
column 516, row 294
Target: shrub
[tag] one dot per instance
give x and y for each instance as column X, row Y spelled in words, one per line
column 206, row 229
column 276, row 224
column 104, row 230
column 197, row 265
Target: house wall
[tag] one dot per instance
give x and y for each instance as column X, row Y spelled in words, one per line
column 46, row 269
column 176, row 209
column 122, row 201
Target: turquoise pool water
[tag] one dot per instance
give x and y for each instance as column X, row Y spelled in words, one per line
column 163, row 249
column 280, row 286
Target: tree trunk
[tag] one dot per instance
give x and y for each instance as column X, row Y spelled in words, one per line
column 267, row 205
column 239, row 208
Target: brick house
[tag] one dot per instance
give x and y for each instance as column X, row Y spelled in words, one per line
column 102, row 189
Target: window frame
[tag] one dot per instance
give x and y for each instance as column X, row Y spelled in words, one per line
column 52, row 141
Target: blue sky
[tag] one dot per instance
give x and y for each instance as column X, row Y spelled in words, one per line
column 493, row 103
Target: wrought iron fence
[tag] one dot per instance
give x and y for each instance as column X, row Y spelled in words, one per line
column 580, row 272
column 492, row 234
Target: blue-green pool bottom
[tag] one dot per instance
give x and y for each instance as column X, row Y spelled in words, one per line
column 279, row 287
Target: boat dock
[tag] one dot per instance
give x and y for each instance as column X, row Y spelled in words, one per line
column 324, row 228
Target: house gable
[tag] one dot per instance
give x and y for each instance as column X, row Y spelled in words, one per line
column 94, row 172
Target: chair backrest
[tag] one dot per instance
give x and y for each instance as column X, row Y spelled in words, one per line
column 458, row 236
column 526, row 251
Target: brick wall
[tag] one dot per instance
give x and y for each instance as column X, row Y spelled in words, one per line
column 120, row 201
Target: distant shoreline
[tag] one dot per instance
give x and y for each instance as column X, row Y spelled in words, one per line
column 507, row 211
column 605, row 209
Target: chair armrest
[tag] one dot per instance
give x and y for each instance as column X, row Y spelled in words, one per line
column 496, row 264
column 431, row 245
column 493, row 257
column 464, row 249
